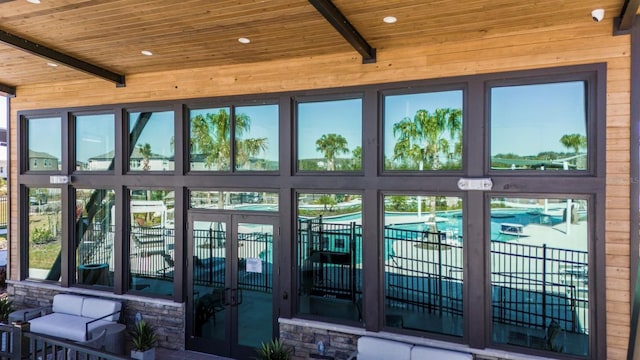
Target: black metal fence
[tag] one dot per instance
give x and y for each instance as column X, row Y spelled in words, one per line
column 209, row 259
column 531, row 285
column 330, row 256
column 16, row 344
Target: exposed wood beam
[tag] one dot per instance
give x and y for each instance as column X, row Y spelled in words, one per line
column 8, row 90
column 58, row 57
column 622, row 25
column 344, row 27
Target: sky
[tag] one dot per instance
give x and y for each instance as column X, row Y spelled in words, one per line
column 529, row 119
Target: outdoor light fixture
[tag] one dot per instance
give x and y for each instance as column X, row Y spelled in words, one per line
column 34, row 1
column 244, row 40
column 146, row 52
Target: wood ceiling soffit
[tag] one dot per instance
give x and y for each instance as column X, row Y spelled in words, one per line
column 58, row 57
column 344, row 27
column 622, row 25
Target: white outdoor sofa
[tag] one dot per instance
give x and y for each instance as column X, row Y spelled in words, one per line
column 372, row 348
column 75, row 317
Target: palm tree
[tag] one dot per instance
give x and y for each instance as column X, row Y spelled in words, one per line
column 357, row 158
column 574, row 141
column 423, row 139
column 211, row 138
column 145, row 152
column 331, row 145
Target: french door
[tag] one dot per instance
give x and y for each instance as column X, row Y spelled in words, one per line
column 230, row 310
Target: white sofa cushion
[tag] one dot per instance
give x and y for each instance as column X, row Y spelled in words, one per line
column 97, row 308
column 423, row 352
column 64, row 326
column 370, row 348
column 67, row 304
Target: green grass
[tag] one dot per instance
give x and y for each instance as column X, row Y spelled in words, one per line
column 43, row 256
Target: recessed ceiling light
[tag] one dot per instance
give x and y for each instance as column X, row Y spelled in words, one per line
column 244, row 40
column 146, row 52
column 34, row 1
column 390, row 19
column 52, row 64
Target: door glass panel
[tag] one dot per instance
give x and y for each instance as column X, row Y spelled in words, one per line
column 151, row 141
column 424, row 263
column 255, row 287
column 330, row 135
column 330, row 256
column 423, row 131
column 539, row 127
column 95, row 143
column 540, row 274
column 45, row 144
column 209, row 239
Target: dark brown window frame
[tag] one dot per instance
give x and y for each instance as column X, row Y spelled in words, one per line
column 371, row 184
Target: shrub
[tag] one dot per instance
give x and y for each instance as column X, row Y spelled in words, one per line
column 41, row 235
column 274, row 350
column 143, row 336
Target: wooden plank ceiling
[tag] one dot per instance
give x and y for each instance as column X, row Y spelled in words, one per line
column 196, row 33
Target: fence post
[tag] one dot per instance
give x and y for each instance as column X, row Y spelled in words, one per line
column 20, row 342
column 544, row 285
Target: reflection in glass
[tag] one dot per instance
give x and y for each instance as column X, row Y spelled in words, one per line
column 539, row 127
column 210, row 139
column 255, row 284
column 256, row 138
column 234, row 200
column 95, row 231
column 540, row 274
column 95, row 144
column 151, row 141
column 424, row 263
column 45, row 144
column 209, row 239
column 45, row 243
column 423, row 131
column 330, row 135
column 151, row 243
column 330, row 256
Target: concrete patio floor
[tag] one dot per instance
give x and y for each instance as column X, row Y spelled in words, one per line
column 166, row 354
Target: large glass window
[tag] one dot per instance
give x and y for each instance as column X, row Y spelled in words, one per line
column 423, row 263
column 95, row 143
column 330, row 135
column 45, row 144
column 151, row 141
column 255, row 130
column 539, row 127
column 95, row 231
column 423, row 131
column 330, row 255
column 151, row 245
column 540, row 273
column 45, row 240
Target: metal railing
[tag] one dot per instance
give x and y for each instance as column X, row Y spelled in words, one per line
column 16, row 344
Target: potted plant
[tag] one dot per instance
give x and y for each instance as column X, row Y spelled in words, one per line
column 6, row 307
column 143, row 338
column 273, row 350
